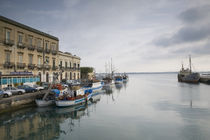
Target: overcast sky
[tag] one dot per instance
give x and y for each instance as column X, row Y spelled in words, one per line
column 139, row 35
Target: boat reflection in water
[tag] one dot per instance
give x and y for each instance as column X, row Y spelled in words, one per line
column 40, row 123
column 119, row 86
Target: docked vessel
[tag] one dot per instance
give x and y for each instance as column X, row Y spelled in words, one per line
column 118, row 79
column 125, row 78
column 74, row 98
column 186, row 75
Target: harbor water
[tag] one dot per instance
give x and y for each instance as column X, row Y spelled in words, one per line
column 147, row 107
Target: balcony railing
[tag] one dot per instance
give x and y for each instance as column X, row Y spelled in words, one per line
column 47, row 67
column 61, row 67
column 40, row 49
column 31, row 47
column 39, row 66
column 54, row 52
column 21, row 65
column 47, row 51
column 9, row 65
column 54, row 67
column 9, row 42
column 31, row 66
column 20, row 45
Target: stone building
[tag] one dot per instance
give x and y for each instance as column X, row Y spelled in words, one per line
column 69, row 65
column 27, row 51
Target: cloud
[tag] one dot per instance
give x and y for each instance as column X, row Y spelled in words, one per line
column 195, row 28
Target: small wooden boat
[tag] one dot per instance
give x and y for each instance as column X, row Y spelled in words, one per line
column 43, row 103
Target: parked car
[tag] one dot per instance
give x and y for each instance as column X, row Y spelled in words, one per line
column 38, row 88
column 27, row 88
column 45, row 85
column 14, row 91
column 5, row 93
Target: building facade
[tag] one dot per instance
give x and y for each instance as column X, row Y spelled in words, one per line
column 69, row 65
column 26, row 50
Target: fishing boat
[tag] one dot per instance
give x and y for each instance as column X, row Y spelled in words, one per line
column 74, row 98
column 49, row 97
column 186, row 75
column 125, row 78
column 95, row 86
column 118, row 79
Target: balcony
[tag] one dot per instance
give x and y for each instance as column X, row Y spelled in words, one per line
column 20, row 45
column 9, row 42
column 54, row 52
column 40, row 66
column 21, row 65
column 40, row 49
column 47, row 67
column 9, row 65
column 47, row 51
column 31, row 66
column 31, row 47
column 61, row 67
column 54, row 68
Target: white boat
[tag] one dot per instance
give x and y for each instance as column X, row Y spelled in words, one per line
column 65, row 103
column 43, row 103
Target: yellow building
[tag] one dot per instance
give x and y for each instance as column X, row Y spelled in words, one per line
column 26, row 51
column 69, row 65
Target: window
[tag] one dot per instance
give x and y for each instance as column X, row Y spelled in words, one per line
column 70, row 64
column 53, row 62
column 78, row 65
column 60, row 63
column 7, row 35
column 20, row 38
column 47, row 61
column 7, row 56
column 30, row 58
column 75, row 65
column 46, row 45
column 65, row 64
column 30, row 40
column 39, row 60
column 20, row 58
column 39, row 43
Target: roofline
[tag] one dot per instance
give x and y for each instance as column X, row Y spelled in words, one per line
column 27, row 27
column 70, row 55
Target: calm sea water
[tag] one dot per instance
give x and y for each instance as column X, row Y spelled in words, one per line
column 147, row 107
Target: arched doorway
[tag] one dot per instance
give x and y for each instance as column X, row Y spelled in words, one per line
column 74, row 76
column 47, row 77
column 66, row 76
column 70, row 76
column 40, row 76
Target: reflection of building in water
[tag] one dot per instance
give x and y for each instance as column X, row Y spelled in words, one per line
column 38, row 123
column 29, row 125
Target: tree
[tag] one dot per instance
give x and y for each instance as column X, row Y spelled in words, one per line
column 84, row 72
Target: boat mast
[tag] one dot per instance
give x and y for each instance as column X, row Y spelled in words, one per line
column 190, row 64
column 111, row 68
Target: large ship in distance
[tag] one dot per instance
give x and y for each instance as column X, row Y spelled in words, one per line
column 186, row 75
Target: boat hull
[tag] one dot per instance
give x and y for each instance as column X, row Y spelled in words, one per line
column 190, row 78
column 65, row 103
column 43, row 103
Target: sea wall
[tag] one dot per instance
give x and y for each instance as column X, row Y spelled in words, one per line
column 18, row 101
